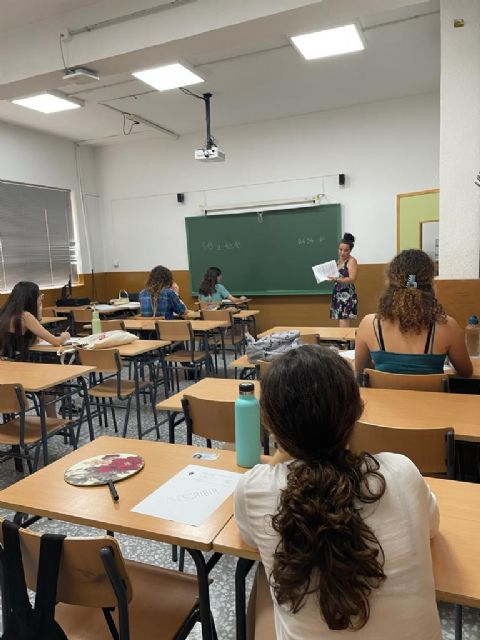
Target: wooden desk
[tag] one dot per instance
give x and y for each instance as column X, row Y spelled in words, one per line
column 36, row 377
column 39, row 379
column 103, row 309
column 47, row 494
column 455, row 549
column 334, row 334
column 148, row 324
column 209, row 389
column 424, row 409
column 53, row 319
column 132, row 349
column 382, row 406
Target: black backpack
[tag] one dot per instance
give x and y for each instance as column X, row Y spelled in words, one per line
column 23, row 621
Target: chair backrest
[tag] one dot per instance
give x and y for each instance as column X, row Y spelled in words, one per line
column 49, row 312
column 222, row 315
column 208, row 305
column 12, row 398
column 82, row 579
column 112, row 325
column 104, row 360
column 262, row 368
column 382, row 380
column 82, row 315
column 211, row 419
column 310, row 338
column 432, row 450
column 174, row 330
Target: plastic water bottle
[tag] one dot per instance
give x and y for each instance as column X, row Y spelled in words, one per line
column 472, row 336
column 247, row 426
column 96, row 322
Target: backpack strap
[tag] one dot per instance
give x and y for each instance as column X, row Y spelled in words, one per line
column 15, row 576
column 49, row 563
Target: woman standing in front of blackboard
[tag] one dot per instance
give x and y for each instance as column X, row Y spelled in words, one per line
column 344, row 296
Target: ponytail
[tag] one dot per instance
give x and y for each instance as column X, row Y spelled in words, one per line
column 325, row 546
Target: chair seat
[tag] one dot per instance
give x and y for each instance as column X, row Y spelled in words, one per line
column 186, row 356
column 9, row 432
column 162, row 600
column 108, row 389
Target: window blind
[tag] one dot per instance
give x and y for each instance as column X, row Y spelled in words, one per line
column 37, row 236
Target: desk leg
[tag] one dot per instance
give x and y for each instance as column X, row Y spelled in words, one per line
column 137, row 396
column 241, row 572
column 458, row 622
column 84, row 388
column 222, row 338
column 43, row 428
column 203, row 569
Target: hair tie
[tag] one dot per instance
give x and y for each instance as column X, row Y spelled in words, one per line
column 411, row 282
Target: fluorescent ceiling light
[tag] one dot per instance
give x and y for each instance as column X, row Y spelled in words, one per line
column 48, row 103
column 329, row 42
column 171, row 76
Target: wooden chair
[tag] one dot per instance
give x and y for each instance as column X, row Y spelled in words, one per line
column 235, row 333
column 310, row 338
column 182, row 351
column 96, row 584
column 106, row 383
column 112, row 325
column 49, row 312
column 21, row 432
column 431, row 449
column 81, row 321
column 382, row 380
column 213, row 420
column 261, row 368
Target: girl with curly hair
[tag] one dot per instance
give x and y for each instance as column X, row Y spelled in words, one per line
column 160, row 297
column 344, row 538
column 410, row 333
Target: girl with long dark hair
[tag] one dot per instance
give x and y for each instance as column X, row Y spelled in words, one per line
column 410, row 333
column 344, row 538
column 211, row 288
column 20, row 323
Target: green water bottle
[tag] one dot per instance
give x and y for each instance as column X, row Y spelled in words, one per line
column 96, row 322
column 247, row 426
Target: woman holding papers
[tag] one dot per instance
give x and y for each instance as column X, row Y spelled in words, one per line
column 344, row 296
column 410, row 333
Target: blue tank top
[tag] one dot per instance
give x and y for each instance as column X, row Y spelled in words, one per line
column 409, row 363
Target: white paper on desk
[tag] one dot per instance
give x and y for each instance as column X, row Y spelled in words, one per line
column 105, row 307
column 42, row 343
column 191, row 496
column 348, row 354
column 325, row 269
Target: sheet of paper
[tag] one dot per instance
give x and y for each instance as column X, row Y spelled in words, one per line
column 104, row 307
column 191, row 496
column 325, row 269
column 43, row 343
column 348, row 354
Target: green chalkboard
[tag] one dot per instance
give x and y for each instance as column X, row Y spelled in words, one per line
column 268, row 253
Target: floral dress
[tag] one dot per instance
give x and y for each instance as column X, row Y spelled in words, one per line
column 344, row 297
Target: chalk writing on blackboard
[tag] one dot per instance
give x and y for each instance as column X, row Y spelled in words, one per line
column 305, row 241
column 231, row 245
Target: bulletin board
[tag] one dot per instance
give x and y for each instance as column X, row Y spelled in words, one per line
column 413, row 209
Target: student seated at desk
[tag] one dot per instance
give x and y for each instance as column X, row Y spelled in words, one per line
column 211, row 289
column 20, row 322
column 410, row 333
column 161, row 294
column 344, row 538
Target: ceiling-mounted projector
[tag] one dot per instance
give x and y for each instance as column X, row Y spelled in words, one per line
column 213, row 154
column 80, row 75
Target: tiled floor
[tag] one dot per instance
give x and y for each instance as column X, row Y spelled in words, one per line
column 222, row 589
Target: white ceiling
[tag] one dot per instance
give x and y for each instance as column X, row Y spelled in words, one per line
column 252, row 71
column 17, row 14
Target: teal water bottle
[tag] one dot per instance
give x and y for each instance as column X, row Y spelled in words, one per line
column 96, row 322
column 247, row 426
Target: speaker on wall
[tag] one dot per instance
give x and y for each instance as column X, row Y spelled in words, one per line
column 180, row 198
column 341, row 179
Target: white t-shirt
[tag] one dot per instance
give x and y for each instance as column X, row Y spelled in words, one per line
column 404, row 520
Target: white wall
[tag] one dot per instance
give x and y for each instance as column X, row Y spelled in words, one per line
column 384, row 148
column 460, row 140
column 36, row 158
